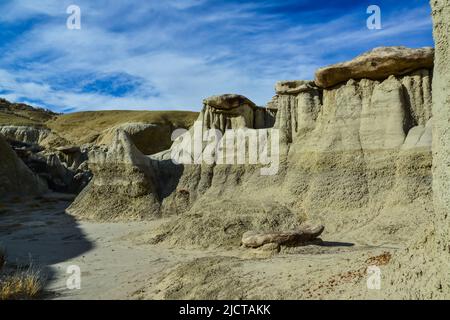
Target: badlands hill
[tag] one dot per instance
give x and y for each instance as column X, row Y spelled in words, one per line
column 20, row 114
column 55, row 146
column 86, row 127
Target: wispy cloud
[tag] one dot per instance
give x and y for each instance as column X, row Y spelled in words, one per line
column 171, row 54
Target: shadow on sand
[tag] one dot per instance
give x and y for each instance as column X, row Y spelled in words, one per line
column 336, row 244
column 37, row 231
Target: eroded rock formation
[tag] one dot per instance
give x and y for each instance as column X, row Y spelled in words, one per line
column 62, row 166
column 123, row 185
column 148, row 138
column 15, row 177
column 56, row 146
column 355, row 157
column 232, row 111
column 31, row 136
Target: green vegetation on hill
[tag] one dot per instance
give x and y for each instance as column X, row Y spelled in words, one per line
column 20, row 114
column 84, row 127
column 15, row 120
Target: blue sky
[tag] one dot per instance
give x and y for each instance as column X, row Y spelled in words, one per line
column 168, row 55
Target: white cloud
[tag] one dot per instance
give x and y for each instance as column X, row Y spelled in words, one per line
column 183, row 49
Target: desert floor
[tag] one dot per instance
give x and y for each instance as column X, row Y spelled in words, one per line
column 117, row 261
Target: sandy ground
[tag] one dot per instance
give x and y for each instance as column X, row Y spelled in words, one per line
column 116, row 261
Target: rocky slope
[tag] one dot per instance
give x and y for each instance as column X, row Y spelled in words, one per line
column 30, row 125
column 359, row 159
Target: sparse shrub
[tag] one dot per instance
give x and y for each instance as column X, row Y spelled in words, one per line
column 20, row 284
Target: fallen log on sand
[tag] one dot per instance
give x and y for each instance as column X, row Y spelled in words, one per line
column 252, row 239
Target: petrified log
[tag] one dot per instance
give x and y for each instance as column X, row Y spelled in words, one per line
column 252, row 239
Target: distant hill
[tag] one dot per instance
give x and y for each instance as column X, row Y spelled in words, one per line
column 23, row 114
column 83, row 127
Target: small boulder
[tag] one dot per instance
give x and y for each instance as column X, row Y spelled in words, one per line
column 305, row 234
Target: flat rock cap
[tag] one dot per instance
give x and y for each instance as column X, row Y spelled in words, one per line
column 228, row 101
column 294, row 86
column 378, row 64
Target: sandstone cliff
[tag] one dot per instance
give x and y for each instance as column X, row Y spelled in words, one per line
column 422, row 271
column 441, row 144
